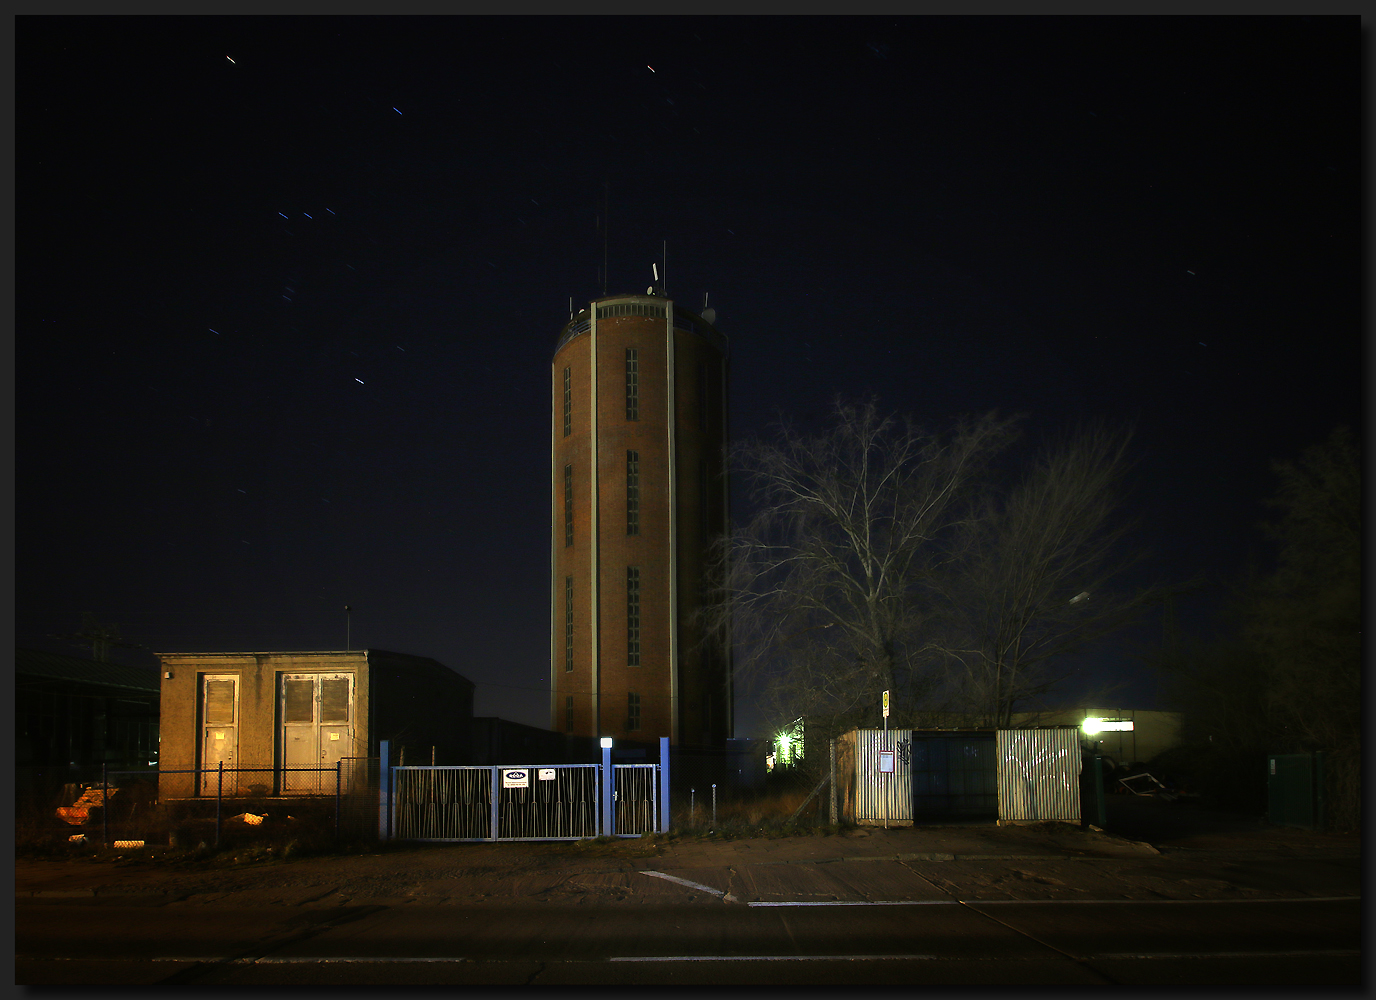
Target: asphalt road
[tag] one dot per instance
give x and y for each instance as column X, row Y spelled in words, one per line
column 962, row 905
column 934, row 940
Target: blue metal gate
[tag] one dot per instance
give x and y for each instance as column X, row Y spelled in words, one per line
column 635, row 798
column 519, row 802
column 558, row 802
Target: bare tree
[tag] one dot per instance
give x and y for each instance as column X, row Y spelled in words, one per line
column 826, row 590
column 1032, row 578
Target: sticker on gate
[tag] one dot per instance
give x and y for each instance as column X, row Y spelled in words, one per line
column 546, row 774
column 516, row 779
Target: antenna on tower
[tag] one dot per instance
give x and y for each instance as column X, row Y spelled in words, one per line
column 570, row 307
column 664, row 285
column 606, row 208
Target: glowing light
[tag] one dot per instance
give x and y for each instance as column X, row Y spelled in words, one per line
column 1093, row 725
column 231, row 60
column 788, row 744
column 360, row 381
column 606, row 743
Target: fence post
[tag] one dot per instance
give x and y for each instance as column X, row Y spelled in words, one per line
column 104, row 805
column 714, row 805
column 384, row 788
column 496, row 795
column 664, row 784
column 608, row 784
column 833, row 782
column 338, row 771
column 219, row 797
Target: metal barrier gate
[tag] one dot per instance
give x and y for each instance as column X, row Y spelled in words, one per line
column 636, row 802
column 547, row 802
column 495, row 803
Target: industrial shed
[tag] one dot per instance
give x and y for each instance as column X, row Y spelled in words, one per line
column 272, row 718
column 907, row 776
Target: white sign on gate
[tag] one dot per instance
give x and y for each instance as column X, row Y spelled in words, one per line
column 516, row 778
column 886, row 761
column 546, row 774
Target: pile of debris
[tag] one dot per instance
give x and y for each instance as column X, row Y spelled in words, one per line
column 91, row 796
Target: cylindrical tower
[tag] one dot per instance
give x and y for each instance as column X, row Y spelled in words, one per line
column 638, row 487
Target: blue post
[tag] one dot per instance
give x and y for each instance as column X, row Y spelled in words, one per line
column 664, row 784
column 338, row 773
column 496, row 796
column 219, row 798
column 607, row 785
column 384, row 786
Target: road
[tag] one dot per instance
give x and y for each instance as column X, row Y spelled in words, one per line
column 878, row 923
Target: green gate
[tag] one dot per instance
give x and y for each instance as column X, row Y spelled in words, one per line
column 1294, row 789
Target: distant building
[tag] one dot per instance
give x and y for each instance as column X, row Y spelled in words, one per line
column 73, row 715
column 1128, row 735
column 278, row 711
column 638, row 487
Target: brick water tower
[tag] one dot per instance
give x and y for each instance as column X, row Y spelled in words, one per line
column 638, row 487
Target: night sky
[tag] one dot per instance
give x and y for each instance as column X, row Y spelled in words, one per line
column 288, row 289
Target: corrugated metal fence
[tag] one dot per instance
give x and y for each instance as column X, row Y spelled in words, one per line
column 1039, row 775
column 1018, row 775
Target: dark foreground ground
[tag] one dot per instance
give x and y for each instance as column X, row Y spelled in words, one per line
column 1177, row 895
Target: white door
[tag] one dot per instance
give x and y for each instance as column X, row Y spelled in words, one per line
column 219, row 731
column 317, row 729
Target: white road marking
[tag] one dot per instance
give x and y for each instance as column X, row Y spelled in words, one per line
column 1316, row 953
column 864, row 902
column 1291, row 899
column 1056, row 902
column 693, row 885
column 378, row 959
column 769, row 958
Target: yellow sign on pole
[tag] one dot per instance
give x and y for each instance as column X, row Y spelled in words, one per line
column 886, row 704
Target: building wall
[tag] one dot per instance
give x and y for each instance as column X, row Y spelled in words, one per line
column 683, row 694
column 420, row 704
column 412, row 701
column 259, row 686
column 1153, row 732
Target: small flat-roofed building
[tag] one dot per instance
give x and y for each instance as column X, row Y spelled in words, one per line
column 279, row 722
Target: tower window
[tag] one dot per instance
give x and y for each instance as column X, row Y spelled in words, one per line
column 702, row 395
column 703, row 502
column 568, row 404
column 633, row 616
column 568, row 505
column 632, row 711
column 568, row 623
column 568, row 713
column 632, row 492
column 632, row 384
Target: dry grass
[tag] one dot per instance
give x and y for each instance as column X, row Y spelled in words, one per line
column 745, row 813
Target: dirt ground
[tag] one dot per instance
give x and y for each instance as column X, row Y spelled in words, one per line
column 1181, row 836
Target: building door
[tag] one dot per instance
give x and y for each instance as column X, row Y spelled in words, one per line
column 317, row 729
column 219, row 731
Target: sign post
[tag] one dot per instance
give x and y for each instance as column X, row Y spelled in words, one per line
column 884, row 782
